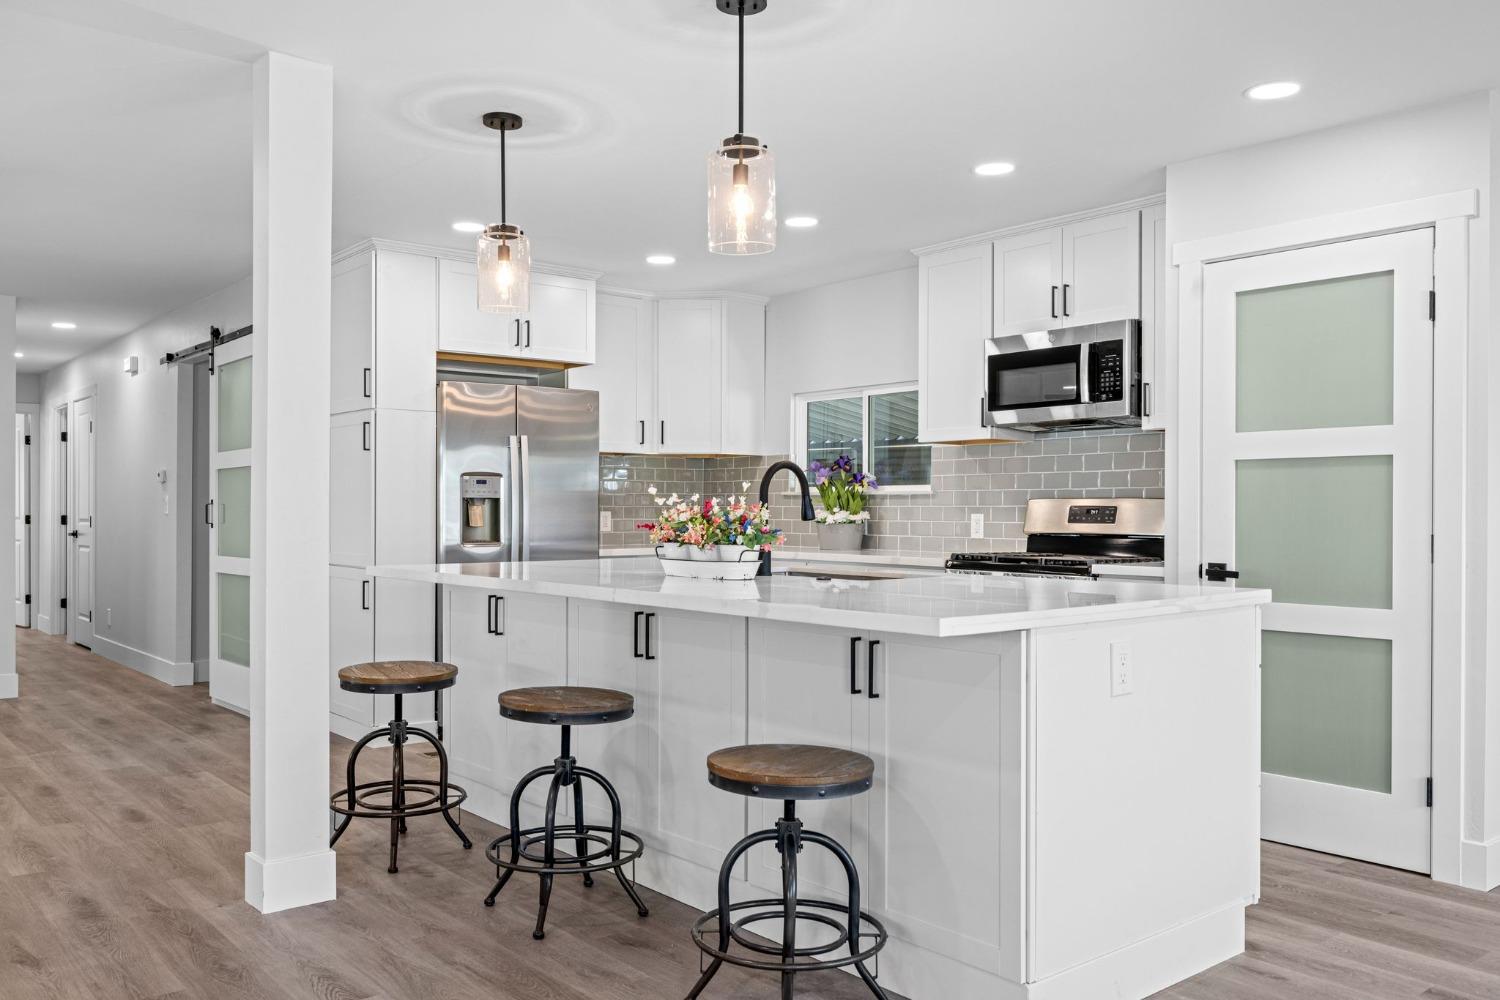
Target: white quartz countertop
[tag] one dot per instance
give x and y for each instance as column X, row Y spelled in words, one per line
column 789, row 554
column 924, row 603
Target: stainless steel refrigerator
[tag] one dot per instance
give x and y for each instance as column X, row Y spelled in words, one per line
column 518, row 472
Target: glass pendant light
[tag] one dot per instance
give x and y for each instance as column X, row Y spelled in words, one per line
column 504, row 252
column 741, row 173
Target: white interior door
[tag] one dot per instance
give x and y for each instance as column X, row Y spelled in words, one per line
column 1317, row 483
column 23, row 520
column 228, row 517
column 80, row 526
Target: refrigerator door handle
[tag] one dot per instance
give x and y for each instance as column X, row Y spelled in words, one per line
column 525, row 489
column 514, row 496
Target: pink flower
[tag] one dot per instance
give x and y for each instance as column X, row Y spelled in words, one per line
column 765, row 547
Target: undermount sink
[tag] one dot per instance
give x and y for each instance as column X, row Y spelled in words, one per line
column 839, row 574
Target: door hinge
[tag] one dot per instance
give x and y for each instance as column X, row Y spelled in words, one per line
column 1429, row 793
column 63, row 603
column 65, row 435
column 28, row 518
column 1432, row 305
column 65, row 520
column 28, row 598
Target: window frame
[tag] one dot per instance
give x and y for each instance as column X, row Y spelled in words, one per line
column 798, row 451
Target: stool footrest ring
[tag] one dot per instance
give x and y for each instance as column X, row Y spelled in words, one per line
column 601, row 860
column 439, row 798
column 774, row 909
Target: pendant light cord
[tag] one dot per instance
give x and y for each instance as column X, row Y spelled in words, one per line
column 502, row 177
column 741, row 19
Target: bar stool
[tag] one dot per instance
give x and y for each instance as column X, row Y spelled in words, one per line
column 789, row 772
column 516, row 851
column 387, row 799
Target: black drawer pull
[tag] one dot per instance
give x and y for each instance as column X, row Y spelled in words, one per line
column 635, row 635
column 870, row 669
column 854, row 642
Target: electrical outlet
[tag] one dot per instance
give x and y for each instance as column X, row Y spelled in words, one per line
column 976, row 525
column 109, row 617
column 1121, row 670
column 606, row 519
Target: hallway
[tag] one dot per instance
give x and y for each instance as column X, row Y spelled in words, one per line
column 123, row 825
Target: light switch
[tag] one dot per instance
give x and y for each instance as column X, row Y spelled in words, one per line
column 1121, row 670
column 976, row 525
column 605, row 520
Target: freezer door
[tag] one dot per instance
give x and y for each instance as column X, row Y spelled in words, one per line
column 559, row 468
column 476, row 434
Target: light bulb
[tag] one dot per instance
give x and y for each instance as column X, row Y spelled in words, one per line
column 505, row 274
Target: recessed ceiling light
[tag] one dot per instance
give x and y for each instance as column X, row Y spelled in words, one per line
column 996, row 169
column 64, row 325
column 1273, row 91
column 802, row 221
column 20, row 355
column 468, row 227
column 661, row 258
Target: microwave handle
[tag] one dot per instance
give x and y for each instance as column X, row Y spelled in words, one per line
column 1083, row 373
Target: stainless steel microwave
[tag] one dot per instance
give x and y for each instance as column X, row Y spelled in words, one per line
column 1080, row 376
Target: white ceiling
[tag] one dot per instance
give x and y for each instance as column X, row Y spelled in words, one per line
column 133, row 157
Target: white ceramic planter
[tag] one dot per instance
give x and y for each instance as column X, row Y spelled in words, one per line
column 697, row 554
column 841, row 537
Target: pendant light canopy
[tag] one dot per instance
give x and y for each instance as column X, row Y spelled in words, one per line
column 741, row 173
column 504, row 252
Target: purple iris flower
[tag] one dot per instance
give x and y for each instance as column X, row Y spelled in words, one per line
column 844, row 463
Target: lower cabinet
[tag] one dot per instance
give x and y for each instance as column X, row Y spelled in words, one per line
column 932, row 825
column 351, row 636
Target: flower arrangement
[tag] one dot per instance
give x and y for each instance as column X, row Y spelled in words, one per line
column 842, row 491
column 703, row 524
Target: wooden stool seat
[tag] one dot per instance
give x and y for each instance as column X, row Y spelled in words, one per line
column 397, row 676
column 566, row 706
column 790, row 771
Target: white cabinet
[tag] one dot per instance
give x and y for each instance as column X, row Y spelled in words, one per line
column 351, row 634
column 954, row 302
column 1028, row 282
column 1101, row 269
column 689, row 353
column 351, row 470
column 499, row 642
column 924, row 711
column 1155, row 389
column 623, row 374
column 384, row 331
column 558, row 327
column 743, row 398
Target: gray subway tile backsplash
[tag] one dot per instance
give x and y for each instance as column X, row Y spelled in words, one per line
column 995, row 480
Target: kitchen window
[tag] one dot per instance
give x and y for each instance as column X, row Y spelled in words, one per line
column 876, row 426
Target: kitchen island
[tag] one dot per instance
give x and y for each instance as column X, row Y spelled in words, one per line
column 1067, row 771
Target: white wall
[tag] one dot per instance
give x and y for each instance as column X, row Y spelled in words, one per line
column 1422, row 152
column 28, row 387
column 143, row 548
column 851, row 333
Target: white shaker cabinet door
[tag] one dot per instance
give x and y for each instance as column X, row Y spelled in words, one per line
column 953, row 321
column 351, row 639
column 462, row 328
column 1102, row 270
column 471, row 728
column 560, row 323
column 689, row 352
column 406, row 331
column 352, row 335
column 351, row 469
column 1028, row 282
column 607, row 652
column 623, row 374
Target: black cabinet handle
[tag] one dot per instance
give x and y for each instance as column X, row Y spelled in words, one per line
column 364, row 595
column 1054, row 302
column 518, row 332
column 497, row 606
column 643, row 433
column 367, row 383
column 663, row 439
column 364, row 435
column 635, row 636
column 854, row 642
column 1065, row 299
column 528, row 333
column 650, row 616
column 489, row 614
column 870, row 669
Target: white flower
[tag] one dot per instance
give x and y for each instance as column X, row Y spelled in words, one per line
column 694, row 498
column 651, row 490
column 745, row 485
column 659, row 501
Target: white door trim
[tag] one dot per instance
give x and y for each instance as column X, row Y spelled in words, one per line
column 1450, row 215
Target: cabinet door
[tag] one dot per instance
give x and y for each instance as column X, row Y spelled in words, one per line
column 689, row 352
column 1154, row 391
column 351, row 639
column 802, row 682
column 607, row 651
column 351, row 469
column 404, row 499
column 406, row 317
column 1028, row 282
column 471, row 725
column 623, row 375
column 744, row 396
column 462, row 328
column 937, row 795
column 953, row 322
column 560, row 323
column 1102, row 269
column 352, row 335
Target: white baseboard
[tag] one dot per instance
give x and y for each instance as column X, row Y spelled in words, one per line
column 43, row 624
column 1479, row 864
column 9, row 686
column 271, row 886
column 200, row 671
column 175, row 674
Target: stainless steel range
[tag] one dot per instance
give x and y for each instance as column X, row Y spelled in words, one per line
column 1068, row 538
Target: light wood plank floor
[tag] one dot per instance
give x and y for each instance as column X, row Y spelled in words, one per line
column 124, row 821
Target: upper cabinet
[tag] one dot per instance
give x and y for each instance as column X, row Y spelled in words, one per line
column 623, row 373
column 559, row 326
column 689, row 357
column 384, row 331
column 1043, row 278
column 1155, row 396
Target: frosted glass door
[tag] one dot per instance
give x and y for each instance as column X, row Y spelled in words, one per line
column 1317, row 479
column 229, row 516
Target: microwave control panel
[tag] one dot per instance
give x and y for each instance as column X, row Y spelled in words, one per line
column 1107, row 372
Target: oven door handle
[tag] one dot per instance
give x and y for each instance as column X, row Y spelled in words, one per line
column 1083, row 372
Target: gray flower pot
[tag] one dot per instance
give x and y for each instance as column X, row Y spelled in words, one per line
column 841, row 537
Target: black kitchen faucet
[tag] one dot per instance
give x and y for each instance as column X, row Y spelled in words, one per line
column 765, row 497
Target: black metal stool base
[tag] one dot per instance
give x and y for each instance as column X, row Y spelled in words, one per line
column 533, row 851
column 786, row 958
column 358, row 799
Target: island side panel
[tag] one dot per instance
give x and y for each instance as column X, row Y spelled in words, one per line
column 1144, row 805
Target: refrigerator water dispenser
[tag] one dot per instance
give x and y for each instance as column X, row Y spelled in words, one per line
column 479, row 492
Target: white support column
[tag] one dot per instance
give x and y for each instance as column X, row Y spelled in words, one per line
column 9, row 687
column 289, row 863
